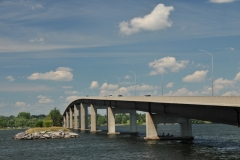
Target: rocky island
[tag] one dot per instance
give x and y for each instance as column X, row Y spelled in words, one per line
column 45, row 133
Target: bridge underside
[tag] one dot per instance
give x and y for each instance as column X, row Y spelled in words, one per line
column 158, row 112
column 217, row 114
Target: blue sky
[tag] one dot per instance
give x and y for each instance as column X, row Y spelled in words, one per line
column 52, row 52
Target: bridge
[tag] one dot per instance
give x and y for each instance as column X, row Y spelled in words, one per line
column 225, row 110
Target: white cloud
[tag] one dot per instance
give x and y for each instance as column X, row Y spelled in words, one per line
column 61, row 74
column 170, row 85
column 106, row 86
column 10, row 78
column 221, row 83
column 67, row 87
column 44, row 99
column 237, row 78
column 231, row 93
column 230, row 49
column 24, row 88
column 71, row 92
column 222, row 1
column 72, row 98
column 2, row 104
column 127, row 77
column 36, row 6
column 197, row 76
column 156, row 20
column 40, row 39
column 142, row 87
column 20, row 104
column 171, row 63
column 94, row 85
column 183, row 92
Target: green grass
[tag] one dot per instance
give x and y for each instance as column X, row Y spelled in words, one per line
column 53, row 129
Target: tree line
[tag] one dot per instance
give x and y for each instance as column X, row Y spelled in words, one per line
column 54, row 118
column 25, row 120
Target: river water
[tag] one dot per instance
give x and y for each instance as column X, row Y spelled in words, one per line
column 212, row 141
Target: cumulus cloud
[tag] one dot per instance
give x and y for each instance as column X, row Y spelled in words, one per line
column 71, row 92
column 67, row 87
column 197, row 76
column 20, row 104
column 221, row 83
column 44, row 99
column 61, row 74
column 36, row 6
column 40, row 39
column 237, row 78
column 156, row 20
column 2, row 104
column 143, row 87
column 231, row 93
column 106, row 86
column 221, row 1
column 94, row 85
column 170, row 85
column 127, row 77
column 170, row 63
column 10, row 78
column 183, row 92
column 72, row 98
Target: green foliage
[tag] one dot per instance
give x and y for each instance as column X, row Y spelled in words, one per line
column 101, row 120
column 56, row 117
column 39, row 123
column 25, row 115
column 48, row 122
column 21, row 122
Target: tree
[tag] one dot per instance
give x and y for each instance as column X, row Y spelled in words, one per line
column 56, row 117
column 48, row 122
column 21, row 122
column 25, row 115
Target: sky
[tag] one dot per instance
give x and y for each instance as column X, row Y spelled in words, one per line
column 53, row 52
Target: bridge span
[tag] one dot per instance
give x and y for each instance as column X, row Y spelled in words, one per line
column 162, row 109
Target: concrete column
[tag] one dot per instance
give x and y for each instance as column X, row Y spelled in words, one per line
column 75, row 117
column 151, row 127
column 84, row 116
column 64, row 121
column 71, row 116
column 133, row 124
column 67, row 120
column 79, row 117
column 93, row 118
column 111, row 120
column 186, row 128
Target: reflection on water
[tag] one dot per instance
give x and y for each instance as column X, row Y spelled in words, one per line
column 212, row 141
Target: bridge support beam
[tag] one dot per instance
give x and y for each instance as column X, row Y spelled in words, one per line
column 67, row 120
column 111, row 121
column 75, row 117
column 151, row 127
column 133, row 121
column 93, row 118
column 153, row 119
column 186, row 128
column 84, row 116
column 64, row 121
column 71, row 118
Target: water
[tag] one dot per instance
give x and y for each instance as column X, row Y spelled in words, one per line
column 212, row 141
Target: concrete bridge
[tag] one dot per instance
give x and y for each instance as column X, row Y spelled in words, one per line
column 163, row 109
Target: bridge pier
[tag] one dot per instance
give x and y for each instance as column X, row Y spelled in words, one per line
column 93, row 118
column 153, row 119
column 71, row 118
column 84, row 116
column 75, row 117
column 67, row 119
column 111, row 121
